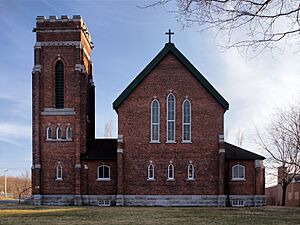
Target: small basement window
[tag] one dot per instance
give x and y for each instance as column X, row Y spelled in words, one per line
column 238, row 203
column 104, row 203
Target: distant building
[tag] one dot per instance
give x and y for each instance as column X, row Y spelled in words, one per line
column 170, row 149
column 292, row 198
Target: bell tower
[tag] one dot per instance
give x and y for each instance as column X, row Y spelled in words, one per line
column 63, row 106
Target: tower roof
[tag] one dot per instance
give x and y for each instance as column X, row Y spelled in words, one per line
column 170, row 47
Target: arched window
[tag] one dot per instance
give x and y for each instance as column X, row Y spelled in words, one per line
column 171, row 118
column 103, row 172
column 150, row 172
column 186, row 121
column 49, row 133
column 238, row 172
column 59, row 85
column 69, row 133
column 58, row 133
column 191, row 172
column 170, row 172
column 155, row 121
column 59, row 171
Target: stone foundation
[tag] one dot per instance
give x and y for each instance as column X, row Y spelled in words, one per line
column 150, row 200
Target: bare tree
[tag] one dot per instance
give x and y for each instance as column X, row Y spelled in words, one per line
column 239, row 138
column 262, row 22
column 281, row 140
column 108, row 129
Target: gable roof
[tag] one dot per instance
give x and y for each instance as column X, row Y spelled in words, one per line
column 236, row 153
column 170, row 47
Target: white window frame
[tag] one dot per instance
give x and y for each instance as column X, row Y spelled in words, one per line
column 47, row 133
column 189, row 124
column 103, row 203
column 57, row 136
column 98, row 173
column 67, row 133
column 171, row 167
column 168, row 120
column 238, row 178
column 238, row 203
column 149, row 168
column 59, row 172
column 193, row 172
column 152, row 123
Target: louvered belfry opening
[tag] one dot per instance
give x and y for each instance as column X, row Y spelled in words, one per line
column 59, row 85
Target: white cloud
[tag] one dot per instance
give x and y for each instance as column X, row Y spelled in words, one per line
column 8, row 130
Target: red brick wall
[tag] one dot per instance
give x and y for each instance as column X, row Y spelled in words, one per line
column 89, row 184
column 134, row 124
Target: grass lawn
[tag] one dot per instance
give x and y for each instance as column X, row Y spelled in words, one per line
column 44, row 215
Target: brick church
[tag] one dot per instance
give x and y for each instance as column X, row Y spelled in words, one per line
column 170, row 149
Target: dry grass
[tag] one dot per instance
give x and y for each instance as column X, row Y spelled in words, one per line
column 25, row 214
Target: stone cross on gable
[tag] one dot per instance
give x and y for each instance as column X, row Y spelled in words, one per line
column 169, row 33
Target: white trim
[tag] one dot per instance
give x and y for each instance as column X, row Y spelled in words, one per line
column 152, row 123
column 171, row 178
column 238, row 178
column 103, row 178
column 57, row 130
column 168, row 120
column 152, row 177
column 187, row 124
column 47, row 133
column 237, row 203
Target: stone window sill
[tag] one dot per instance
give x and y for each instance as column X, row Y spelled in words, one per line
column 238, row 179
column 55, row 140
column 191, row 179
column 154, row 142
column 103, row 179
column 151, row 179
column 59, row 179
column 170, row 142
column 186, row 142
column 170, row 179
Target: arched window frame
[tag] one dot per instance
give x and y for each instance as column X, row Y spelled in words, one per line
column 186, row 123
column 48, row 133
column 69, row 133
column 171, row 172
column 101, row 173
column 191, row 171
column 151, row 175
column 155, row 125
column 58, row 133
column 59, row 171
column 171, row 138
column 59, row 84
column 240, row 172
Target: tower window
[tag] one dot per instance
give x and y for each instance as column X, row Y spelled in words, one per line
column 69, row 133
column 48, row 133
column 59, row 85
column 58, row 133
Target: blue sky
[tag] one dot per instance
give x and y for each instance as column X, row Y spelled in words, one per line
column 126, row 39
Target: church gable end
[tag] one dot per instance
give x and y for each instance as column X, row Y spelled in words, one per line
column 170, row 48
